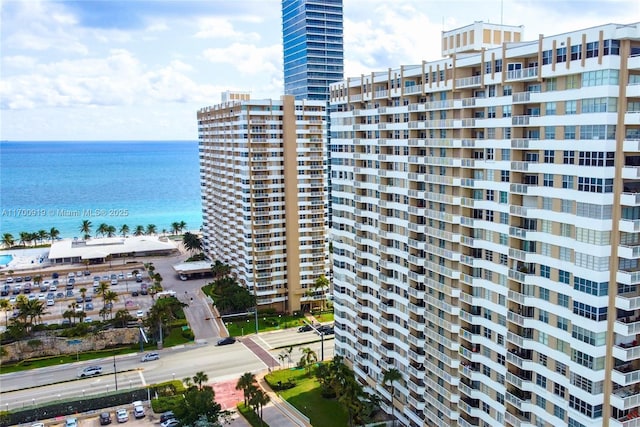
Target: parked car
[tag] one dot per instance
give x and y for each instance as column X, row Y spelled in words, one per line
column 150, row 356
column 138, row 409
column 122, row 415
column 55, row 275
column 134, row 293
column 71, row 422
column 226, row 341
column 105, row 418
column 88, row 306
column 167, row 416
column 305, row 328
column 172, row 422
column 90, row 371
column 50, row 302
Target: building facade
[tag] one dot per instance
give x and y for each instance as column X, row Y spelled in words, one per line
column 263, row 182
column 486, row 229
column 312, row 38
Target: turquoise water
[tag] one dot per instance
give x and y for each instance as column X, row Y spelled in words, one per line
column 60, row 184
column 5, row 259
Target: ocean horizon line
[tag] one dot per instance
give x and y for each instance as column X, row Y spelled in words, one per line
column 96, row 140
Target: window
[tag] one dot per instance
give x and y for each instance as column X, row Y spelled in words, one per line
column 576, row 52
column 561, row 54
column 545, row 271
column 563, row 276
column 547, row 56
column 541, row 380
column 559, row 390
column 596, row 158
column 563, row 300
column 504, row 176
column 567, row 181
column 573, row 81
column 590, row 312
column 549, row 156
column 611, row 47
column 544, row 294
column 590, row 287
column 507, row 90
column 570, row 107
column 600, row 77
column 550, row 108
column 561, row 368
column 543, row 316
column 592, row 49
column 498, row 65
column 504, row 218
column 506, row 111
column 506, row 154
column 552, row 84
column 504, row 196
column 541, row 401
column 583, row 407
column 595, row 185
column 599, row 105
column 569, row 157
column 549, row 132
column 491, row 112
column 547, row 180
column 562, row 323
column 542, row 359
column 570, row 133
column 489, row 195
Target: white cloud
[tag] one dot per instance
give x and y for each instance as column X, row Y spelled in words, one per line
column 222, row 28
column 247, row 59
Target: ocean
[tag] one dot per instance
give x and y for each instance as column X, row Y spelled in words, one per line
column 60, row 184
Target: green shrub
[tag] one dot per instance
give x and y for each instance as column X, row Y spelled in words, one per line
column 188, row 334
column 166, row 403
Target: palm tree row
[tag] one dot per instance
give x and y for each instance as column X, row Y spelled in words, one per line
column 32, row 238
column 30, row 313
column 104, row 230
column 254, row 396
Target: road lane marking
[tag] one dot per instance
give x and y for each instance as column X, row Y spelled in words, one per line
column 144, row 383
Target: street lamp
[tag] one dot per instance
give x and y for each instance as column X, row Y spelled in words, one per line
column 115, row 372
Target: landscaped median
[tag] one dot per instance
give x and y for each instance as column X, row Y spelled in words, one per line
column 324, row 391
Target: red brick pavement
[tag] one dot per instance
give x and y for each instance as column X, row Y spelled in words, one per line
column 226, row 394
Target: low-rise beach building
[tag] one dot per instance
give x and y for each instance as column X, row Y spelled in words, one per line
column 100, row 250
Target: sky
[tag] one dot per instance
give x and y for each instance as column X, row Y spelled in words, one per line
column 141, row 69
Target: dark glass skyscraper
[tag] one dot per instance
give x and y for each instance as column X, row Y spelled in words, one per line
column 312, row 37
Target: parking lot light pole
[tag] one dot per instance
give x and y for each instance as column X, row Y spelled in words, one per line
column 321, row 339
column 115, row 371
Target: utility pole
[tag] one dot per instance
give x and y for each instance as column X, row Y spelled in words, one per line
column 321, row 339
column 115, row 371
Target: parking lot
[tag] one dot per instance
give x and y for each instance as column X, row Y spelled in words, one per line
column 61, row 291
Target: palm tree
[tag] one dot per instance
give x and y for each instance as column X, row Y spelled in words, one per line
column 83, row 293
column 390, row 377
column 53, row 234
column 188, row 382
column 85, row 228
column 109, row 298
column 139, row 231
column 321, row 283
column 102, row 289
column 111, row 231
column 151, row 229
column 191, row 242
column 199, row 378
column 8, row 240
column 258, row 399
column 175, row 227
column 309, row 357
column 220, row 269
column 42, row 234
column 182, row 225
column 102, row 229
column 122, row 317
column 124, row 230
column 25, row 237
column 244, row 383
column 69, row 314
column 5, row 305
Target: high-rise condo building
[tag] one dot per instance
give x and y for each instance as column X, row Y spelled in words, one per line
column 312, row 39
column 486, row 229
column 263, row 182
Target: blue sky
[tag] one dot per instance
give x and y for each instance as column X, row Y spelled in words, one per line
column 140, row 69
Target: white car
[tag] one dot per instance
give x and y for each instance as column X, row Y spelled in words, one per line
column 122, row 415
column 89, row 371
column 150, row 356
column 71, row 422
column 139, row 314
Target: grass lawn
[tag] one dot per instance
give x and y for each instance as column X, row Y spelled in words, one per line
column 173, row 339
column 307, row 398
column 325, row 316
column 247, row 325
column 251, row 416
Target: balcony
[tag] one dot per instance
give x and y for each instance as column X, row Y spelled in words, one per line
column 627, row 327
column 627, row 351
column 628, row 277
column 473, row 81
column 628, row 302
column 626, row 398
column 625, row 375
column 630, row 199
column 529, row 73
